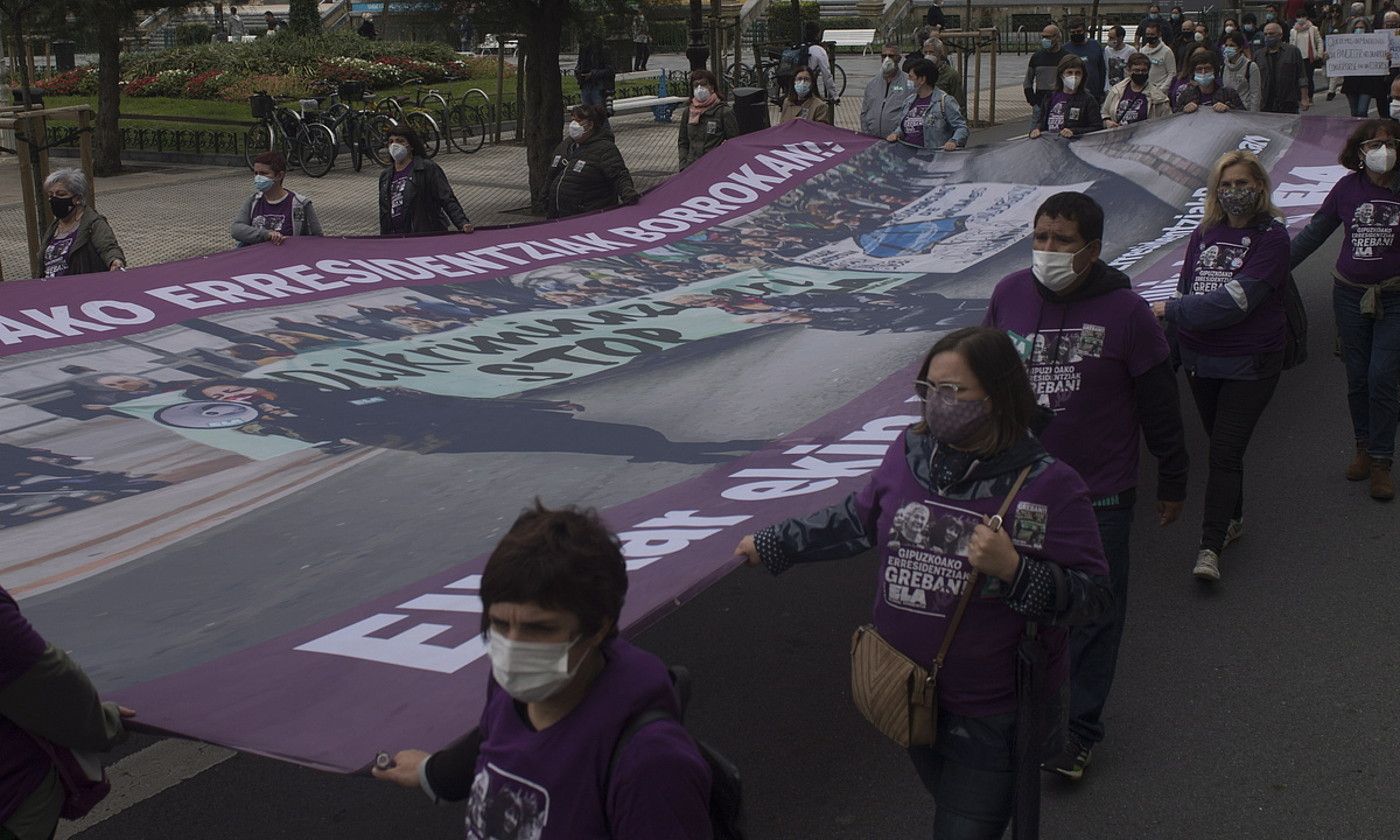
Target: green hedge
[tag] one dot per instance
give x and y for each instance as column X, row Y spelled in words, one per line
column 283, row 54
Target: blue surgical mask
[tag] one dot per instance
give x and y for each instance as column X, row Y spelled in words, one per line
column 802, row 88
column 1047, row 44
column 1269, row 16
column 1204, row 79
column 262, row 183
column 1231, row 52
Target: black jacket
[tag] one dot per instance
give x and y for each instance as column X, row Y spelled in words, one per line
column 1088, row 117
column 431, row 204
column 95, row 247
column 588, row 176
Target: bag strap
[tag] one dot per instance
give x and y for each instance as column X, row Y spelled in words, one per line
column 995, row 525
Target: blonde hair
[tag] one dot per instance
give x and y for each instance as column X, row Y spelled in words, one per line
column 1214, row 213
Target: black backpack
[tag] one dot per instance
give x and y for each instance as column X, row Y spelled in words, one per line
column 792, row 59
column 1295, row 343
column 726, row 790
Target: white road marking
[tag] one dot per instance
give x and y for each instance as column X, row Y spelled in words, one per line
column 144, row 774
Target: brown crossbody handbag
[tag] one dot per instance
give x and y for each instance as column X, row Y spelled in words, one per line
column 896, row 694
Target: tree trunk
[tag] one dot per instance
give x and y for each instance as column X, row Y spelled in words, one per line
column 542, row 116
column 107, row 158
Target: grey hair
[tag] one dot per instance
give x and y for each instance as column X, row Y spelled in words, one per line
column 70, row 179
column 935, row 46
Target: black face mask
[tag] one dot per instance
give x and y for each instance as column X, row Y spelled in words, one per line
column 1153, row 40
column 1139, row 79
column 61, row 207
column 1077, row 37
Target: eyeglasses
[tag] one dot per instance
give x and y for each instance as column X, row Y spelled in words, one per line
column 1372, row 145
column 947, row 392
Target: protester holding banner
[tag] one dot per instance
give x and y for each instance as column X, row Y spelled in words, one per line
column 1152, row 18
column 1230, row 328
column 1071, row 110
column 1163, row 68
column 1135, row 98
column 273, row 212
column 588, row 172
column 78, row 240
column 1203, row 90
column 1041, row 71
column 50, row 714
column 1284, row 87
column 957, row 467
column 1359, row 90
column 564, row 687
column 1098, row 360
column 706, row 121
column 1238, row 71
column 1366, row 293
column 802, row 102
column 931, row 118
column 414, row 195
column 882, row 106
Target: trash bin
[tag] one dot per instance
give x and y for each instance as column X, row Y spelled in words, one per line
column 63, row 53
column 751, row 109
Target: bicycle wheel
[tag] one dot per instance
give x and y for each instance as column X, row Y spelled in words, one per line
column 258, row 140
column 350, row 130
column 427, row 129
column 469, row 128
column 740, row 75
column 839, row 74
column 376, row 138
column 318, row 148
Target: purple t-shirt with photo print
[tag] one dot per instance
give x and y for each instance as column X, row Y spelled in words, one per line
column 398, row 213
column 1218, row 255
column 1370, row 216
column 1059, row 106
column 56, row 254
column 913, row 125
column 1082, row 358
column 23, row 765
column 1132, row 107
column 274, row 216
column 922, row 540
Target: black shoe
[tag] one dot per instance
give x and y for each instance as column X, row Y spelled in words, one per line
column 1071, row 762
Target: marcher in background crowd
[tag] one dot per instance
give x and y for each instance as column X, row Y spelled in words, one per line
column 366, row 29
column 1394, row 106
column 1238, row 71
column 818, row 61
column 1116, row 54
column 236, row 26
column 802, row 102
column 1252, row 31
column 1153, row 17
column 1227, row 26
column 1230, row 332
column 1092, row 52
column 563, row 688
column 273, row 212
column 882, row 106
column 1271, row 15
column 954, row 469
column 1382, row 11
column 706, row 121
column 1308, row 39
column 593, row 72
column 588, row 172
column 1186, row 40
column 1332, row 23
column 1135, row 98
column 922, row 34
column 43, row 695
column 1204, row 89
column 1175, row 20
column 1366, row 293
column 1183, row 75
column 641, row 41
column 931, row 118
column 1283, row 86
column 1160, row 54
column 1386, row 107
column 1361, row 91
column 1098, row 360
column 949, row 79
column 1041, row 76
column 78, row 240
column 414, row 195
column 1070, row 111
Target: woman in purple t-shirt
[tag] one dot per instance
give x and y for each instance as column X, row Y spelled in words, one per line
column 926, row 513
column 1230, row 333
column 1069, row 110
column 1366, row 292
column 563, row 689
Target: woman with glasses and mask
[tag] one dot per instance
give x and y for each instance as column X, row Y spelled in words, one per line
column 563, row 687
column 1044, row 565
column 1366, row 292
column 1231, row 328
column 414, row 195
column 79, row 240
column 803, row 102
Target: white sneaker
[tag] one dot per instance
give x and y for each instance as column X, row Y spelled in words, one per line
column 1207, row 566
column 1235, row 531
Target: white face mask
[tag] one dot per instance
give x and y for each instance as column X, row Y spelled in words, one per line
column 887, row 66
column 575, row 130
column 1381, row 160
column 531, row 671
column 1055, row 269
column 1071, row 83
column 399, row 152
column 702, row 93
column 1395, row 109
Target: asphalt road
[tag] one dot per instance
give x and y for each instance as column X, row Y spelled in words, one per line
column 1263, row 707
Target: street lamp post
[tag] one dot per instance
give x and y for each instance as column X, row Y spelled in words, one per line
column 698, row 53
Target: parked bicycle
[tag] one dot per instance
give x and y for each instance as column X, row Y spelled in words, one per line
column 306, row 143
column 469, row 120
column 363, row 132
column 414, row 117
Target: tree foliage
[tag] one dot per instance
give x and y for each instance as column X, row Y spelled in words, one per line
column 303, row 17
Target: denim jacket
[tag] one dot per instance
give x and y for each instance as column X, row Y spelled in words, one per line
column 942, row 122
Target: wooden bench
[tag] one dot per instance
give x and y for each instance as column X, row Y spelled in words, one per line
column 863, row 38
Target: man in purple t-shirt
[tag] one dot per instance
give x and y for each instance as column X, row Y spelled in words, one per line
column 564, row 688
column 1099, row 362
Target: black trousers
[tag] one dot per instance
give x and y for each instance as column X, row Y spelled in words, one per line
column 639, row 59
column 1229, row 409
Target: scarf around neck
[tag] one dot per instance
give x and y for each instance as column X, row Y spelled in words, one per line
column 697, row 110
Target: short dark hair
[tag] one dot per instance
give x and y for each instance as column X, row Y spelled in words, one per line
column 1069, row 62
column 1116, row 31
column 1075, row 207
column 1138, row 58
column 998, row 367
column 811, row 31
column 1155, row 27
column 410, row 134
column 703, row 75
column 1074, row 20
column 595, row 114
column 561, row 559
column 1351, row 152
column 1236, row 38
column 924, row 69
column 1200, row 57
column 1248, row 18
column 272, row 158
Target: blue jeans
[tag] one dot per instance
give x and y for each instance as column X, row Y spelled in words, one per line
column 1371, row 354
column 1360, row 103
column 1093, row 648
